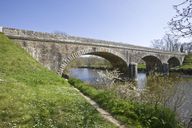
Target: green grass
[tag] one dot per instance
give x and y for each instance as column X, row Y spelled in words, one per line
column 187, row 63
column 132, row 114
column 186, row 67
column 32, row 96
column 141, row 67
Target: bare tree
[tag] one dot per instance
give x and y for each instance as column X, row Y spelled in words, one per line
column 109, row 77
column 187, row 47
column 181, row 23
column 169, row 42
column 158, row 44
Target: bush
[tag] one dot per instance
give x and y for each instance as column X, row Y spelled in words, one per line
column 130, row 113
column 160, row 117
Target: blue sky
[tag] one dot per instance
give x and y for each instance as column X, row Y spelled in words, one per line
column 130, row 21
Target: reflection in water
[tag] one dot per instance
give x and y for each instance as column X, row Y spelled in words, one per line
column 185, row 111
column 141, row 80
column 92, row 76
column 88, row 75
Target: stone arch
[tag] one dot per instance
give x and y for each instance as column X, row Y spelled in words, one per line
column 153, row 63
column 140, row 57
column 116, row 59
column 173, row 62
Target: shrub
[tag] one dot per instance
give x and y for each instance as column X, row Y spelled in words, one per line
column 137, row 114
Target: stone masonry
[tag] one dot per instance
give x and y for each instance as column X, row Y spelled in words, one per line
column 56, row 51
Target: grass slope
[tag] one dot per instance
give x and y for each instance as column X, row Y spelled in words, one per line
column 187, row 63
column 32, row 96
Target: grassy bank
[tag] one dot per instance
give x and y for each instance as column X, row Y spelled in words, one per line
column 186, row 68
column 132, row 114
column 141, row 67
column 32, row 96
column 187, row 63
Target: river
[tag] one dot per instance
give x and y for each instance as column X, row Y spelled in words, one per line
column 185, row 83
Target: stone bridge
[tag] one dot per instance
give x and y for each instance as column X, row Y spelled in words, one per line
column 56, row 51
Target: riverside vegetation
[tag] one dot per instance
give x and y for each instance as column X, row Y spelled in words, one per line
column 186, row 68
column 33, row 96
column 139, row 109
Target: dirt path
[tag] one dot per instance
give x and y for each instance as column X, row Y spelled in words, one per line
column 103, row 113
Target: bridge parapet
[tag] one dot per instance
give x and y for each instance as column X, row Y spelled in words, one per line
column 48, row 37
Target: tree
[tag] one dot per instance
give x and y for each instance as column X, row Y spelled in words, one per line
column 181, row 23
column 169, row 43
column 109, row 77
column 187, row 47
column 158, row 44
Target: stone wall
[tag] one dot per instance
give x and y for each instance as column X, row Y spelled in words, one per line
column 48, row 37
column 53, row 55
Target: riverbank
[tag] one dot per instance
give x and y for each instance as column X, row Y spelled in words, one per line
column 96, row 67
column 33, row 96
column 184, row 71
column 186, row 68
column 130, row 113
column 141, row 67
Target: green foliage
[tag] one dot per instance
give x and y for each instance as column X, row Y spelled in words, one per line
column 141, row 67
column 160, row 117
column 187, row 65
column 90, row 62
column 188, row 59
column 133, row 114
column 107, row 100
column 32, row 96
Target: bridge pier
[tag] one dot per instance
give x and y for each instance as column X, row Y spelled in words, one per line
column 165, row 69
column 162, row 68
column 151, row 68
column 132, row 70
column 148, row 69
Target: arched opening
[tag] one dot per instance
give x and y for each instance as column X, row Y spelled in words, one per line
column 90, row 61
column 88, row 68
column 153, row 64
column 112, row 60
column 116, row 62
column 173, row 62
